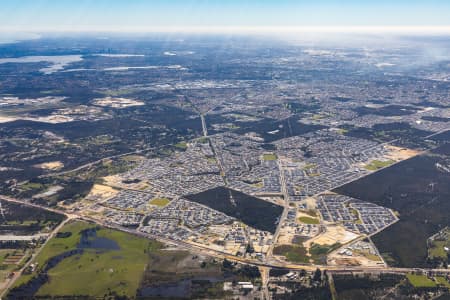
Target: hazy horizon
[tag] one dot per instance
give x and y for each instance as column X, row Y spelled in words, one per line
column 219, row 16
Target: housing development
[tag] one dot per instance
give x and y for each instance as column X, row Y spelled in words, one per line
column 168, row 169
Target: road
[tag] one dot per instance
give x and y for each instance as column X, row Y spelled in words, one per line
column 97, row 162
column 205, row 134
column 264, row 266
column 205, row 129
column 220, row 254
column 203, row 250
column 283, row 215
column 17, row 274
column 265, row 282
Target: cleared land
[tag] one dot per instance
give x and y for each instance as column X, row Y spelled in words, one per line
column 332, row 235
column 51, row 165
column 102, row 191
column 117, row 102
column 398, row 153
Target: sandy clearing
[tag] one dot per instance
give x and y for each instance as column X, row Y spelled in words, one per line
column 102, row 191
column 332, row 235
column 4, row 119
column 398, row 153
column 117, row 102
column 51, row 165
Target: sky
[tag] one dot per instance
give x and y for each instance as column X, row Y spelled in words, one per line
column 186, row 15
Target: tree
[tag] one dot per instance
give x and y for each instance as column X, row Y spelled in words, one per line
column 227, row 264
column 317, row 275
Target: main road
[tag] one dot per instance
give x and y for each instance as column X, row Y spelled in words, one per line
column 284, row 213
column 220, row 254
column 17, row 274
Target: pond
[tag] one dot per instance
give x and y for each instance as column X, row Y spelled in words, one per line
column 90, row 240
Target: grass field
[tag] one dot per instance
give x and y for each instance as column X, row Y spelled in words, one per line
column 267, row 157
column 342, row 131
column 95, row 272
column 203, row 140
column 4, row 253
column 174, row 265
column 437, row 249
column 368, row 255
column 10, row 260
column 309, row 166
column 211, row 160
column 319, row 252
column 181, row 145
column 420, row 281
column 11, row 256
column 160, row 201
column 57, row 246
column 378, row 164
column 437, row 246
column 441, row 280
column 310, row 212
column 308, row 220
column 292, row 253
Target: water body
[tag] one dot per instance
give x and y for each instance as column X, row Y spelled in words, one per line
column 90, row 240
column 57, row 62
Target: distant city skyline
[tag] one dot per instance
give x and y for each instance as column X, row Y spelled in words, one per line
column 232, row 15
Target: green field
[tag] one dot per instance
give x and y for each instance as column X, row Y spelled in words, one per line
column 420, row 281
column 7, row 255
column 211, row 160
column 31, row 186
column 160, row 201
column 310, row 212
column 342, row 131
column 268, row 157
column 181, row 145
column 258, row 184
column 292, row 253
column 309, row 220
column 368, row 255
column 441, row 280
column 203, row 140
column 436, row 247
column 378, row 164
column 95, row 272
column 319, row 252
column 309, row 166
